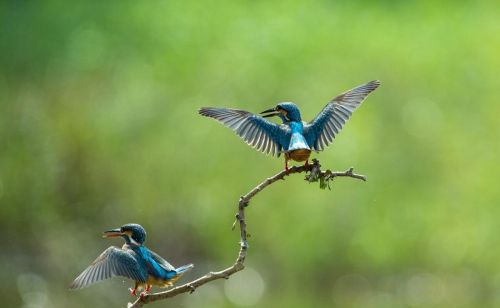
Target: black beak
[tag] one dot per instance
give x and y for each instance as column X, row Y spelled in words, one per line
column 112, row 233
column 270, row 112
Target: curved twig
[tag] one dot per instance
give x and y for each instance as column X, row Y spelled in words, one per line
column 314, row 175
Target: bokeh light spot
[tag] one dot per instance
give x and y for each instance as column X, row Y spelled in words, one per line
column 245, row 288
column 424, row 290
column 33, row 290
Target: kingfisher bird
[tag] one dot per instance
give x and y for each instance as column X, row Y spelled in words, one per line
column 133, row 260
column 295, row 138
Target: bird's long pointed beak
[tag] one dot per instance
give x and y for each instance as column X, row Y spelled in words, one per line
column 270, row 113
column 112, row 233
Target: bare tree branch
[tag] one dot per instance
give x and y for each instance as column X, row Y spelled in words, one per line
column 315, row 174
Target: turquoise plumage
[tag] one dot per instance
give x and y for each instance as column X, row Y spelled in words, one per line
column 294, row 138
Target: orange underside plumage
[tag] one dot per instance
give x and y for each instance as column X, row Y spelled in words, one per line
column 156, row 282
column 298, row 155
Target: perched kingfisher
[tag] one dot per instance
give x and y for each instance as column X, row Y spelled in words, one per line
column 133, row 260
column 294, row 137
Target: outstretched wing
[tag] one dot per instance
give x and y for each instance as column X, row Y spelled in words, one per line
column 112, row 262
column 321, row 131
column 258, row 132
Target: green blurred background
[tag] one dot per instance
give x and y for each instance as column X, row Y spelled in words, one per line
column 99, row 127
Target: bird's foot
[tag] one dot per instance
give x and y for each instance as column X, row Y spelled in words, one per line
column 146, row 291
column 133, row 291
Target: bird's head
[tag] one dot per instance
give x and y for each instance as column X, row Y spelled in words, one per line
column 286, row 111
column 133, row 234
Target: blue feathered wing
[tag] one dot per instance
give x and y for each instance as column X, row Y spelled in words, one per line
column 321, row 131
column 261, row 134
column 112, row 262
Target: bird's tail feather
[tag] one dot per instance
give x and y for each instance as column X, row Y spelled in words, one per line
column 183, row 269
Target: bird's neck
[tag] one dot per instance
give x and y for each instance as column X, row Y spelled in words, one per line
column 142, row 250
column 134, row 247
column 296, row 126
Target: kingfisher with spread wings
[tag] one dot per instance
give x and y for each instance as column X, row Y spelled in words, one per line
column 134, row 261
column 294, row 138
